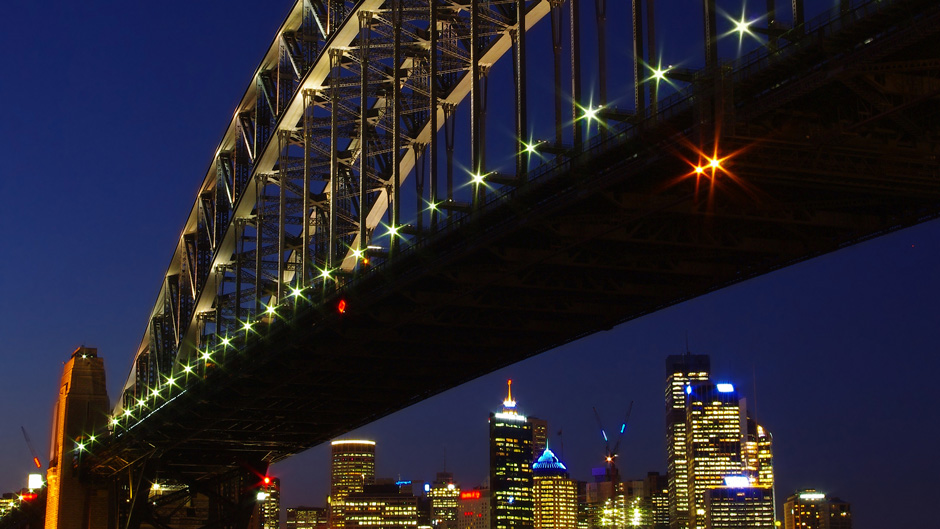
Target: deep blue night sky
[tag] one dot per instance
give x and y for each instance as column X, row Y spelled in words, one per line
column 111, row 114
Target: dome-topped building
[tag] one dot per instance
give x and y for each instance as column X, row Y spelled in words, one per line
column 549, row 464
column 555, row 494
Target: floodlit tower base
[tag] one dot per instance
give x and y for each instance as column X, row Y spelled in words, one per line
column 82, row 407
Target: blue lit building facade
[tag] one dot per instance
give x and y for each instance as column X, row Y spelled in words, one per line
column 555, row 495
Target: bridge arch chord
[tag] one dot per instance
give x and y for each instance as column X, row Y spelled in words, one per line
column 313, row 158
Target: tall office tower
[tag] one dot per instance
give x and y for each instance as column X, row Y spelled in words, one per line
column 443, row 494
column 554, row 494
column 269, row 504
column 307, row 518
column 82, row 408
column 539, row 435
column 714, row 432
column 739, row 505
column 811, row 509
column 657, row 494
column 758, row 455
column 351, row 469
column 383, row 506
column 510, row 468
column 473, row 509
column 681, row 370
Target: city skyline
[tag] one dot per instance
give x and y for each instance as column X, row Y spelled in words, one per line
column 825, row 340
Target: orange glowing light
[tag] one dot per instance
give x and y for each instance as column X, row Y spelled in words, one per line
column 341, row 306
column 267, row 480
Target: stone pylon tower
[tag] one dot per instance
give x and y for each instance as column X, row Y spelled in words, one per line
column 82, row 407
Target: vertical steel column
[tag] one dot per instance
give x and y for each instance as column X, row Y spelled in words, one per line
column 600, row 8
column 484, row 99
column 772, row 24
column 711, row 103
column 335, row 58
column 798, row 14
column 432, row 66
column 365, row 23
column 636, row 16
column 556, row 48
column 396, row 122
column 652, row 60
column 283, row 138
column 260, row 183
column 309, row 96
column 711, row 38
column 522, row 154
column 420, row 163
column 475, row 165
column 576, row 72
column 449, row 120
column 239, row 256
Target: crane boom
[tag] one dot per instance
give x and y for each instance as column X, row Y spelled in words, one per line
column 32, row 449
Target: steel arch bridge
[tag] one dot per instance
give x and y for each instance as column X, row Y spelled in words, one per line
column 303, row 301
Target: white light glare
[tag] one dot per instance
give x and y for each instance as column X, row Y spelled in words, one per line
column 737, row 482
column 590, row 113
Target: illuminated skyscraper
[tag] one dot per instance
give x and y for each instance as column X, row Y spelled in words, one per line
column 714, row 438
column 758, row 455
column 443, row 494
column 811, row 509
column 81, row 409
column 681, row 370
column 555, row 495
column 269, row 502
column 510, row 468
column 351, row 469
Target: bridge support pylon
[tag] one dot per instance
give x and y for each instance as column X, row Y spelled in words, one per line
column 82, row 407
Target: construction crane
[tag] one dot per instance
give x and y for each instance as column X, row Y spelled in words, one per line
column 610, row 455
column 32, row 448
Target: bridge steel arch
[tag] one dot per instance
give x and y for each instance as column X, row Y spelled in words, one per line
column 279, row 208
column 247, row 358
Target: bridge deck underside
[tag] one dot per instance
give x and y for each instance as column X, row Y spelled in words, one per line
column 825, row 159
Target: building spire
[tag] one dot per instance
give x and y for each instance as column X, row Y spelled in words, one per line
column 509, row 403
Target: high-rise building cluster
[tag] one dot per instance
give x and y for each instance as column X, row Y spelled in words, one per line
column 719, row 475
